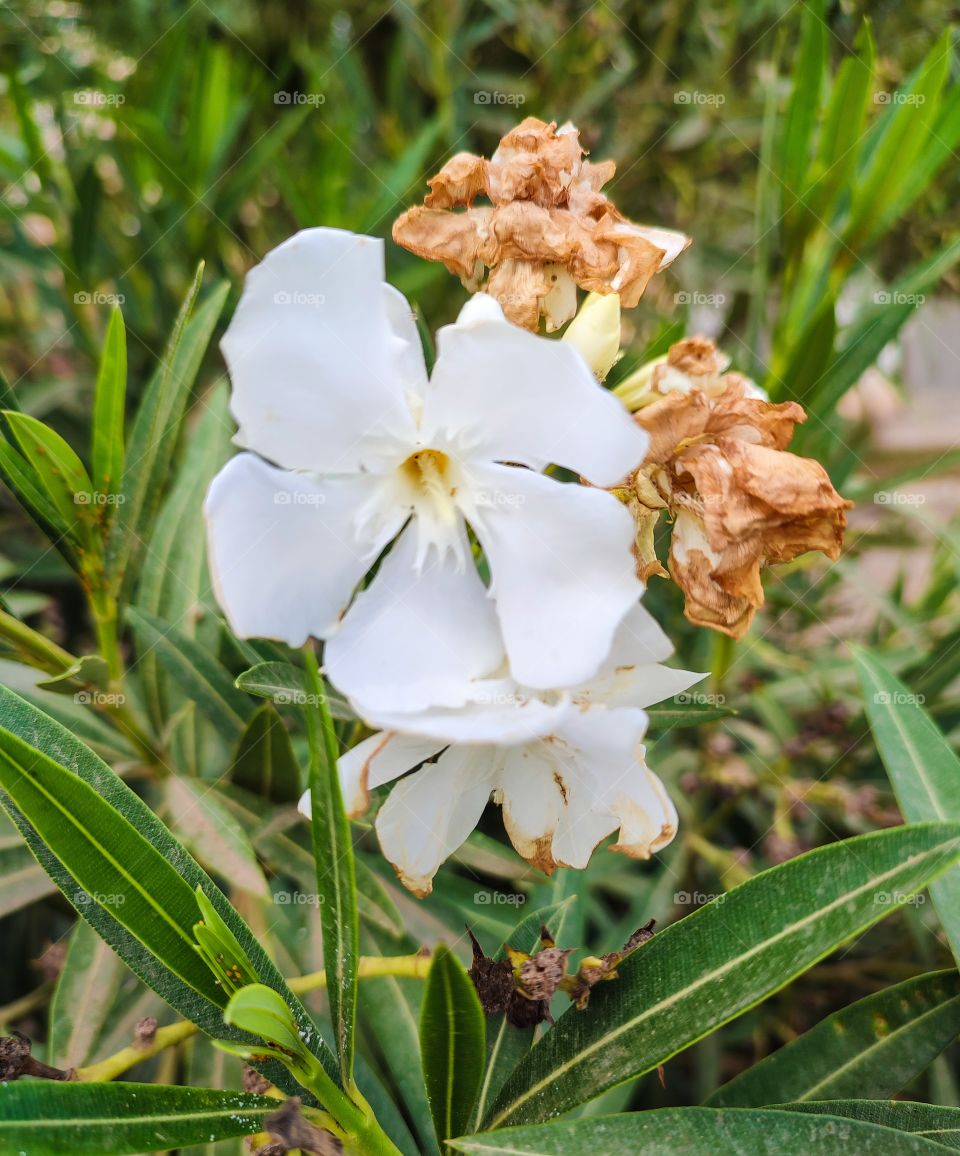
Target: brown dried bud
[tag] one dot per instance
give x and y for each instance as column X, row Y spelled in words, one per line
column 547, row 229
column 718, row 463
column 16, row 1061
column 292, row 1131
column 253, row 1081
column 145, row 1032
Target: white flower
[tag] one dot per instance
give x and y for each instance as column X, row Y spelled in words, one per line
column 567, row 767
column 352, row 446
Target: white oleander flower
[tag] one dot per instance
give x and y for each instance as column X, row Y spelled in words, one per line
column 352, row 448
column 568, row 767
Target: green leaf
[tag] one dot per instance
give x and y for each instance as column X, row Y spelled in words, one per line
column 839, row 140
column 336, row 873
column 113, row 865
column 29, row 491
column 60, row 476
column 48, row 1118
column 871, row 1049
column 897, row 141
column 923, row 769
column 83, row 998
column 174, row 583
column 284, row 684
column 720, row 960
column 452, row 1043
column 156, row 426
column 157, row 861
column 108, row 409
column 259, row 1010
column 801, row 115
column 940, row 1125
column 717, row 1131
column 664, row 718
column 199, row 674
column 213, row 835
column 88, row 670
column 265, row 763
column 22, row 880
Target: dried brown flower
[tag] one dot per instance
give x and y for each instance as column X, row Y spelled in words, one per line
column 547, row 229
column 718, row 462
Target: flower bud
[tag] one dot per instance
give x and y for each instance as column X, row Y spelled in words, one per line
column 636, row 389
column 595, row 331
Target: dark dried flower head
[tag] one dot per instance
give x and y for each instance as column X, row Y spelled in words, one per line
column 547, row 229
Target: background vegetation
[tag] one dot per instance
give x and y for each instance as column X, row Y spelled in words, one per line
column 808, row 148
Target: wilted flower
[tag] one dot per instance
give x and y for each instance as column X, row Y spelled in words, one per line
column 718, row 464
column 548, row 227
column 353, row 447
column 567, row 767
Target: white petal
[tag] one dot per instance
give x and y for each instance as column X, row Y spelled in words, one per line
column 430, row 813
column 316, row 368
column 286, row 550
column 562, row 572
column 648, row 819
column 513, row 396
column 632, row 674
column 377, row 760
column 416, row 638
column 403, row 322
column 498, row 712
column 610, row 744
column 639, row 639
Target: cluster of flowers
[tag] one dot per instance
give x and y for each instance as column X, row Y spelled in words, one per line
column 480, row 614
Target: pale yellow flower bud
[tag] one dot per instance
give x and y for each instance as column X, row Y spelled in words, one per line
column 595, row 331
column 636, row 389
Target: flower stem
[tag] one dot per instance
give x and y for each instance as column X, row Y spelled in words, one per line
column 370, row 967
column 30, row 644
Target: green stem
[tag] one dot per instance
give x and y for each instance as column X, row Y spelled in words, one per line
column 370, row 967
column 31, row 645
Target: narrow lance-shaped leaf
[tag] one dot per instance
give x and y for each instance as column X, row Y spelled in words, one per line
column 873, row 1048
column 85, row 850
column 452, row 1043
column 717, row 1131
column 197, row 671
column 923, row 769
column 722, row 959
column 933, row 1122
column 108, row 411
column 46, row 1118
column 336, row 874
